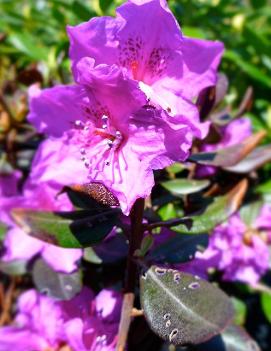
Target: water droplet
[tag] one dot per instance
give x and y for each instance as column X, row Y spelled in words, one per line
column 68, row 287
column 86, row 128
column 194, row 285
column 104, row 126
column 173, row 334
column 160, row 271
column 168, row 323
column 144, row 276
column 118, row 134
column 86, row 164
column 78, row 123
column 166, row 315
column 107, row 163
column 104, row 118
column 83, row 151
column 110, row 143
column 197, row 277
column 177, row 278
column 184, row 288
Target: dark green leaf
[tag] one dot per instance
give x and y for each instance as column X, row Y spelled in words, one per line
column 179, row 249
column 185, row 186
column 67, row 229
column 217, row 212
column 182, row 309
column 55, row 284
column 229, row 156
column 234, row 338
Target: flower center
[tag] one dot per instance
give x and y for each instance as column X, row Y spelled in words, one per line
column 99, row 143
column 250, row 232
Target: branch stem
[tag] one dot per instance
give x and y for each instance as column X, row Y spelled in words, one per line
column 135, row 239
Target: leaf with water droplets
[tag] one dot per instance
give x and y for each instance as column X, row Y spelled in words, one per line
column 181, row 308
column 229, row 156
column 55, row 284
column 67, row 229
column 217, row 212
column 185, row 186
column 233, row 338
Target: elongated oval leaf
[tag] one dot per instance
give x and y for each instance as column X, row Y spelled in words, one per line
column 55, row 284
column 182, row 309
column 178, row 249
column 233, row 338
column 253, row 161
column 217, row 212
column 67, row 229
column 229, row 156
column 185, row 186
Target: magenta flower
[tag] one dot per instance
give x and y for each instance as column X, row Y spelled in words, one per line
column 36, row 196
column 232, row 134
column 146, row 40
column 105, row 131
column 239, row 251
column 80, row 324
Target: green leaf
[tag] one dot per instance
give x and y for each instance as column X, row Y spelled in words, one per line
column 229, row 156
column 217, row 212
column 251, row 70
column 55, row 284
column 145, row 246
column 233, row 338
column 15, row 267
column 250, row 212
column 25, row 44
column 3, row 230
column 181, row 248
column 91, row 256
column 266, row 305
column 182, row 309
column 240, row 311
column 67, row 229
column 185, row 186
column 167, row 211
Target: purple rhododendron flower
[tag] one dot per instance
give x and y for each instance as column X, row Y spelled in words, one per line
column 232, row 134
column 37, row 196
column 117, row 122
column 84, row 323
column 146, row 40
column 239, row 251
column 104, row 131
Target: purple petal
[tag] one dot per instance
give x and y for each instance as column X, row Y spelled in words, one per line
column 200, row 61
column 53, row 110
column 20, row 246
column 60, row 259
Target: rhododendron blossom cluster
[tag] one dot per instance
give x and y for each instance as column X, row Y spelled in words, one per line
column 131, row 111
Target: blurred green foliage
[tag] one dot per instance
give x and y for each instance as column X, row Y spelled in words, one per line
column 34, row 30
